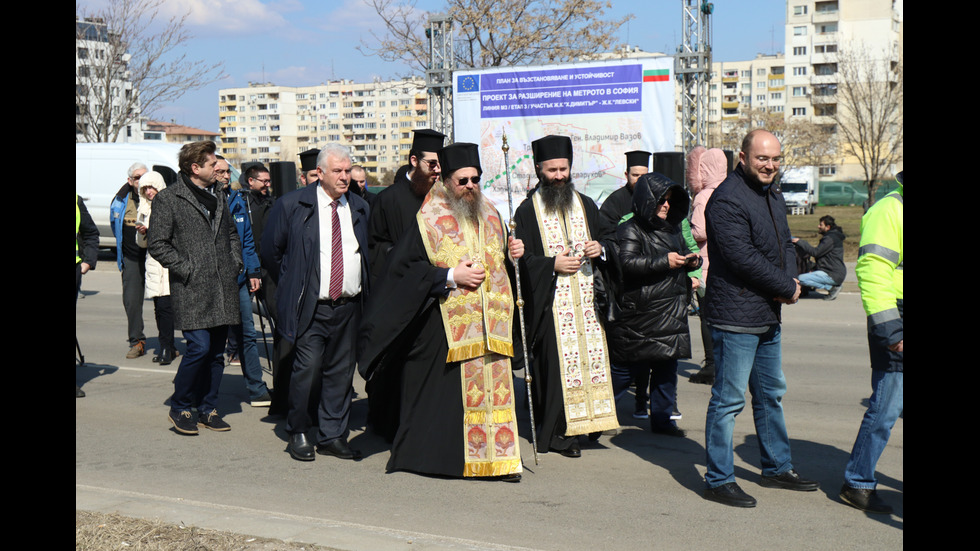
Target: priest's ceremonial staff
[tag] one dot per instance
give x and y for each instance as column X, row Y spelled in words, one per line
column 520, row 304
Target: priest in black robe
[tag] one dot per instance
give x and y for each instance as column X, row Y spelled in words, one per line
column 563, row 232
column 620, row 202
column 307, row 167
column 395, row 207
column 441, row 317
column 392, row 216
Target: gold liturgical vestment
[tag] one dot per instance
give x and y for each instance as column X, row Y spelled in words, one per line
column 585, row 374
column 478, row 331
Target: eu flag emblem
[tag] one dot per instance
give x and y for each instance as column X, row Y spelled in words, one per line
column 468, row 83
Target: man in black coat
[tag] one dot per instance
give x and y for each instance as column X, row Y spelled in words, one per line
column 752, row 274
column 830, row 270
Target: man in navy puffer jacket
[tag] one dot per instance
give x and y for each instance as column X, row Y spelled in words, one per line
column 753, row 272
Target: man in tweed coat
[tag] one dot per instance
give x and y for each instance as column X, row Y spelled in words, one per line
column 194, row 236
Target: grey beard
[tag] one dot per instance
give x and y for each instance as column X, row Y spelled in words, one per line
column 557, row 199
column 462, row 208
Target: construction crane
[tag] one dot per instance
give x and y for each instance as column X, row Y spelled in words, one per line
column 692, row 65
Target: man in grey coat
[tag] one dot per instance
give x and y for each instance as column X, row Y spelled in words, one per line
column 194, row 236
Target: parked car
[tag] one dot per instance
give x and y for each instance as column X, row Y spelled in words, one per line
column 840, row 193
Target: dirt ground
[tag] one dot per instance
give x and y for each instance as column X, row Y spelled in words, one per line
column 101, row 531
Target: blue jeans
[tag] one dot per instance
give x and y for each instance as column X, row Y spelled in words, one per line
column 754, row 361
column 248, row 352
column 887, row 396
column 817, row 279
column 199, row 374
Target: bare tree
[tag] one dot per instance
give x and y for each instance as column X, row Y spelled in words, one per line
column 804, row 142
column 492, row 33
column 869, row 110
column 127, row 63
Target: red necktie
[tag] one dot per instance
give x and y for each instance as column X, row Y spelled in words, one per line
column 336, row 255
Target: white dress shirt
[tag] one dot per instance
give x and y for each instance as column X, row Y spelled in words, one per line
column 351, row 248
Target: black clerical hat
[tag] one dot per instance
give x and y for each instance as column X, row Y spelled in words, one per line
column 552, row 147
column 427, row 140
column 459, row 155
column 637, row 158
column 307, row 159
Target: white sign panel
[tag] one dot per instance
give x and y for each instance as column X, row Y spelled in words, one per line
column 607, row 108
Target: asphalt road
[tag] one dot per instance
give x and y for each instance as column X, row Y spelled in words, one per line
column 631, row 490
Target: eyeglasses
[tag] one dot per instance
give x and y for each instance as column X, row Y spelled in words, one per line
column 263, row 182
column 467, row 180
column 431, row 162
column 136, row 177
column 765, row 160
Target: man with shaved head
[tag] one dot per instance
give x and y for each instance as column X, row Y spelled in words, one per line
column 753, row 273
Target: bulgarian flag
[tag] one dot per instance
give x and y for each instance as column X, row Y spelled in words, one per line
column 656, row 75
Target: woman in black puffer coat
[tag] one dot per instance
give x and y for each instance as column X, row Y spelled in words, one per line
column 651, row 332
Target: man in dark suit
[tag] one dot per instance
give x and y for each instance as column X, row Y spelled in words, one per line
column 315, row 246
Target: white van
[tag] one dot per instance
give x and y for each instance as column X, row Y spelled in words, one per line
column 100, row 170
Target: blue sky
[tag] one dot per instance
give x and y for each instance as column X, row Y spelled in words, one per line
column 307, row 42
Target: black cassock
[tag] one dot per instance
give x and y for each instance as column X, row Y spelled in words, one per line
column 392, row 216
column 617, row 205
column 403, row 339
column 538, row 281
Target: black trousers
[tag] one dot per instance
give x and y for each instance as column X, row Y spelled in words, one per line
column 163, row 310
column 323, row 372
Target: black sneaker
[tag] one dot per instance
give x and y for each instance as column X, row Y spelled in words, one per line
column 864, row 499
column 790, row 480
column 213, row 421
column 183, row 421
column 675, row 414
column 729, row 494
column 832, row 294
column 263, row 401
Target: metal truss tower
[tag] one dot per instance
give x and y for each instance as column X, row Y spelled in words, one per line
column 693, row 69
column 439, row 75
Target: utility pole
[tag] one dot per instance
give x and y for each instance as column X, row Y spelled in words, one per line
column 439, row 75
column 693, row 68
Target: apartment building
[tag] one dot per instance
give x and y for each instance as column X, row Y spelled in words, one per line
column 737, row 87
column 803, row 82
column 267, row 123
column 817, row 31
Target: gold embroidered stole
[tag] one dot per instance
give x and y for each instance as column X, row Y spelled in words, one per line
column 478, row 331
column 585, row 374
